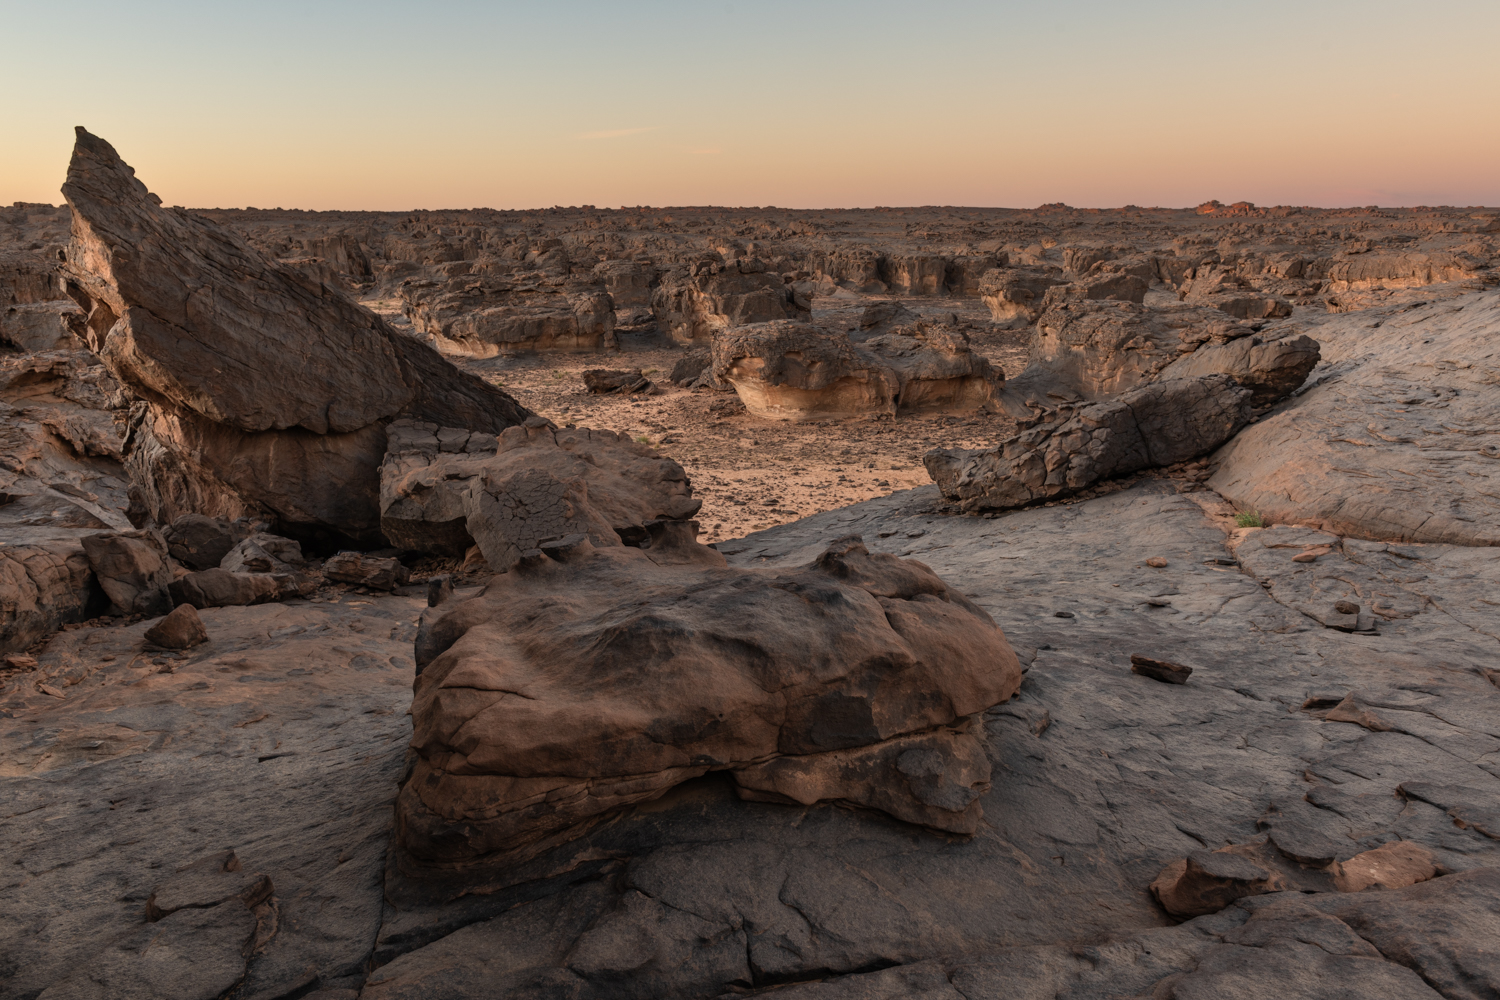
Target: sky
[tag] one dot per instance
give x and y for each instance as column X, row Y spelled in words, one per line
column 377, row 105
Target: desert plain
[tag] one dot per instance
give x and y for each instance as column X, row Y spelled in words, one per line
column 700, row 602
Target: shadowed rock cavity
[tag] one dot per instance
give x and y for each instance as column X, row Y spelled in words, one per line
column 260, row 386
column 589, row 678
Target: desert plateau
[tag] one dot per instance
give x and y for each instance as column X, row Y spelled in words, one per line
column 651, row 603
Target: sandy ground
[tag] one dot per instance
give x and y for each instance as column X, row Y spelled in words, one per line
column 753, row 473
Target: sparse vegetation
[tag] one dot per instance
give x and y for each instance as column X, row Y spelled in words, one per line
column 1249, row 519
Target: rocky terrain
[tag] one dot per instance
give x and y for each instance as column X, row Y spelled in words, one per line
column 1099, row 604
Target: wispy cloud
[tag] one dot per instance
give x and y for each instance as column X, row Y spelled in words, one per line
column 615, row 133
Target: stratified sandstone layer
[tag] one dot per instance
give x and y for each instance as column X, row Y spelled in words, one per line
column 263, row 390
column 589, row 678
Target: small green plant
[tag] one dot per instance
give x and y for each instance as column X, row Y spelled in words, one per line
column 1250, row 519
column 643, row 439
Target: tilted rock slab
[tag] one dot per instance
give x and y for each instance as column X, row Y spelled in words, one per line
column 263, row 388
column 444, row 490
column 1071, row 448
column 591, row 678
column 790, row 370
column 1398, row 438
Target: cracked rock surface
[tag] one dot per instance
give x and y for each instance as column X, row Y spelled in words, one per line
column 1100, row 778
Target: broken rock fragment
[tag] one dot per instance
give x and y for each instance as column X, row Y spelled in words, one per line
column 131, row 566
column 532, row 484
column 594, row 677
column 1160, row 670
column 182, row 629
column 1072, row 447
column 364, row 570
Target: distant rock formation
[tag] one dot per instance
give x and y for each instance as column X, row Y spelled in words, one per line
column 263, row 390
column 790, row 370
column 483, row 317
column 695, row 303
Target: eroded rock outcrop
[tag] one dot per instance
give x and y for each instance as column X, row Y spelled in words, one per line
column 693, row 304
column 1070, row 448
column 1015, row 294
column 590, row 678
column 1089, row 350
column 485, row 317
column 262, row 388
column 791, row 370
column 444, row 490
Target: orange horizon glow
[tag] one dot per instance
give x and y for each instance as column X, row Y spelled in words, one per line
column 382, row 108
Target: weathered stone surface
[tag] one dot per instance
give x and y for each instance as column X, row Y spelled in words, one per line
column 1395, row 436
column 193, row 319
column 483, row 317
column 1070, row 448
column 181, row 629
column 1015, row 294
column 201, row 542
column 606, row 380
column 694, row 304
column 1160, row 670
column 220, row 588
column 791, row 370
column 1096, row 349
column 691, row 365
column 689, row 667
column 361, row 569
column 263, row 553
column 281, row 737
column 445, row 491
column 1223, row 289
column 35, row 315
column 132, row 568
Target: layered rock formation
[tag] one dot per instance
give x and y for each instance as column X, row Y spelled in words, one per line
column 200, row 326
column 444, row 490
column 1091, row 350
column 589, row 678
column 791, row 370
column 695, row 303
column 484, row 317
column 1070, row 448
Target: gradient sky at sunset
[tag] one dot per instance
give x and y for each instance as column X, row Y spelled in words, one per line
column 379, row 105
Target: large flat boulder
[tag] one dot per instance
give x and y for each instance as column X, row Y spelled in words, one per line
column 590, row 678
column 1395, row 438
column 262, row 387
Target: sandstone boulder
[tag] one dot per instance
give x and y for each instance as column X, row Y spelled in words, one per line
column 535, row 483
column 181, row 629
column 221, row 588
column 260, row 386
column 693, row 304
column 591, row 678
column 481, row 318
column 1223, row 289
column 201, row 542
column 794, row 371
column 263, row 553
column 132, row 568
column 855, row 268
column 365, row 570
column 914, row 274
column 1070, row 448
column 35, row 315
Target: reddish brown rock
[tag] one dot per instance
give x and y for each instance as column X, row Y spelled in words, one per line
column 182, row 629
